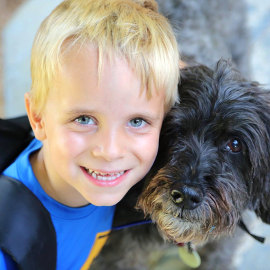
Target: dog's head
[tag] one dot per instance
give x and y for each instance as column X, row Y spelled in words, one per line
column 214, row 157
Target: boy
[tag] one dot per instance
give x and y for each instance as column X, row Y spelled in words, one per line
column 103, row 75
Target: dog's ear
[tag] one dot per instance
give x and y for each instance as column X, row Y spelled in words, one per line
column 254, row 101
column 264, row 211
column 261, row 171
column 254, row 112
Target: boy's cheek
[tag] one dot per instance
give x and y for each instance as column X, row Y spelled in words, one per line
column 66, row 143
column 149, row 149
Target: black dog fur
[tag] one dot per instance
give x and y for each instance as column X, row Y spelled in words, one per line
column 216, row 142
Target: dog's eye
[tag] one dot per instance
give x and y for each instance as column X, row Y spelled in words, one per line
column 234, row 146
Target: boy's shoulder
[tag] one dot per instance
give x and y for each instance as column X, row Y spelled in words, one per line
column 34, row 222
column 15, row 136
column 19, row 205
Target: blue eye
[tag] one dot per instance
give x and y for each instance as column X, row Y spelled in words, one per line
column 137, row 122
column 84, row 120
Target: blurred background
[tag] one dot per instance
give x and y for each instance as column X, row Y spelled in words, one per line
column 20, row 19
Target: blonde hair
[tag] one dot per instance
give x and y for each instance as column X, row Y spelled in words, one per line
column 132, row 29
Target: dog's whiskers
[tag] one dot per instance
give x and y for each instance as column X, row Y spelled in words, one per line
column 159, row 197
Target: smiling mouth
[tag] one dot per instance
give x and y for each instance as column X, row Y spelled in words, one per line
column 104, row 176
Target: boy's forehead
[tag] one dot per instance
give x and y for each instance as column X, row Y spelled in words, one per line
column 79, row 73
column 84, row 63
column 73, row 58
column 90, row 53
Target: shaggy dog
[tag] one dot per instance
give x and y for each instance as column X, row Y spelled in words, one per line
column 213, row 163
column 214, row 157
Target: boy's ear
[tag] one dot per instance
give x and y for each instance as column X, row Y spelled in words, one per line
column 36, row 122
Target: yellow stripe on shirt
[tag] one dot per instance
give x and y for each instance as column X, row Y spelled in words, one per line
column 100, row 241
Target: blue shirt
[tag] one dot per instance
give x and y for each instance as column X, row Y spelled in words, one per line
column 77, row 229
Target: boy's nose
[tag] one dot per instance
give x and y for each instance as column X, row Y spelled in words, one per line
column 109, row 147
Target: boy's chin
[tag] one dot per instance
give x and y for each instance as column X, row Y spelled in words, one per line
column 106, row 200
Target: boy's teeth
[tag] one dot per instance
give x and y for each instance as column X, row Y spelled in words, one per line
column 104, row 176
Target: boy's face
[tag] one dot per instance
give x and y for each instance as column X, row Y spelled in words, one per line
column 101, row 138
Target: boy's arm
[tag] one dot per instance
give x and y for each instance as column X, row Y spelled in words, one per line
column 6, row 263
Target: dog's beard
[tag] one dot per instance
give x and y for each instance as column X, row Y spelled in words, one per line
column 218, row 214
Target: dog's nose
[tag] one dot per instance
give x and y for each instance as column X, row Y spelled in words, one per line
column 187, row 196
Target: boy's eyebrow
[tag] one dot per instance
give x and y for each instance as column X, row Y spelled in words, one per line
column 145, row 114
column 78, row 111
